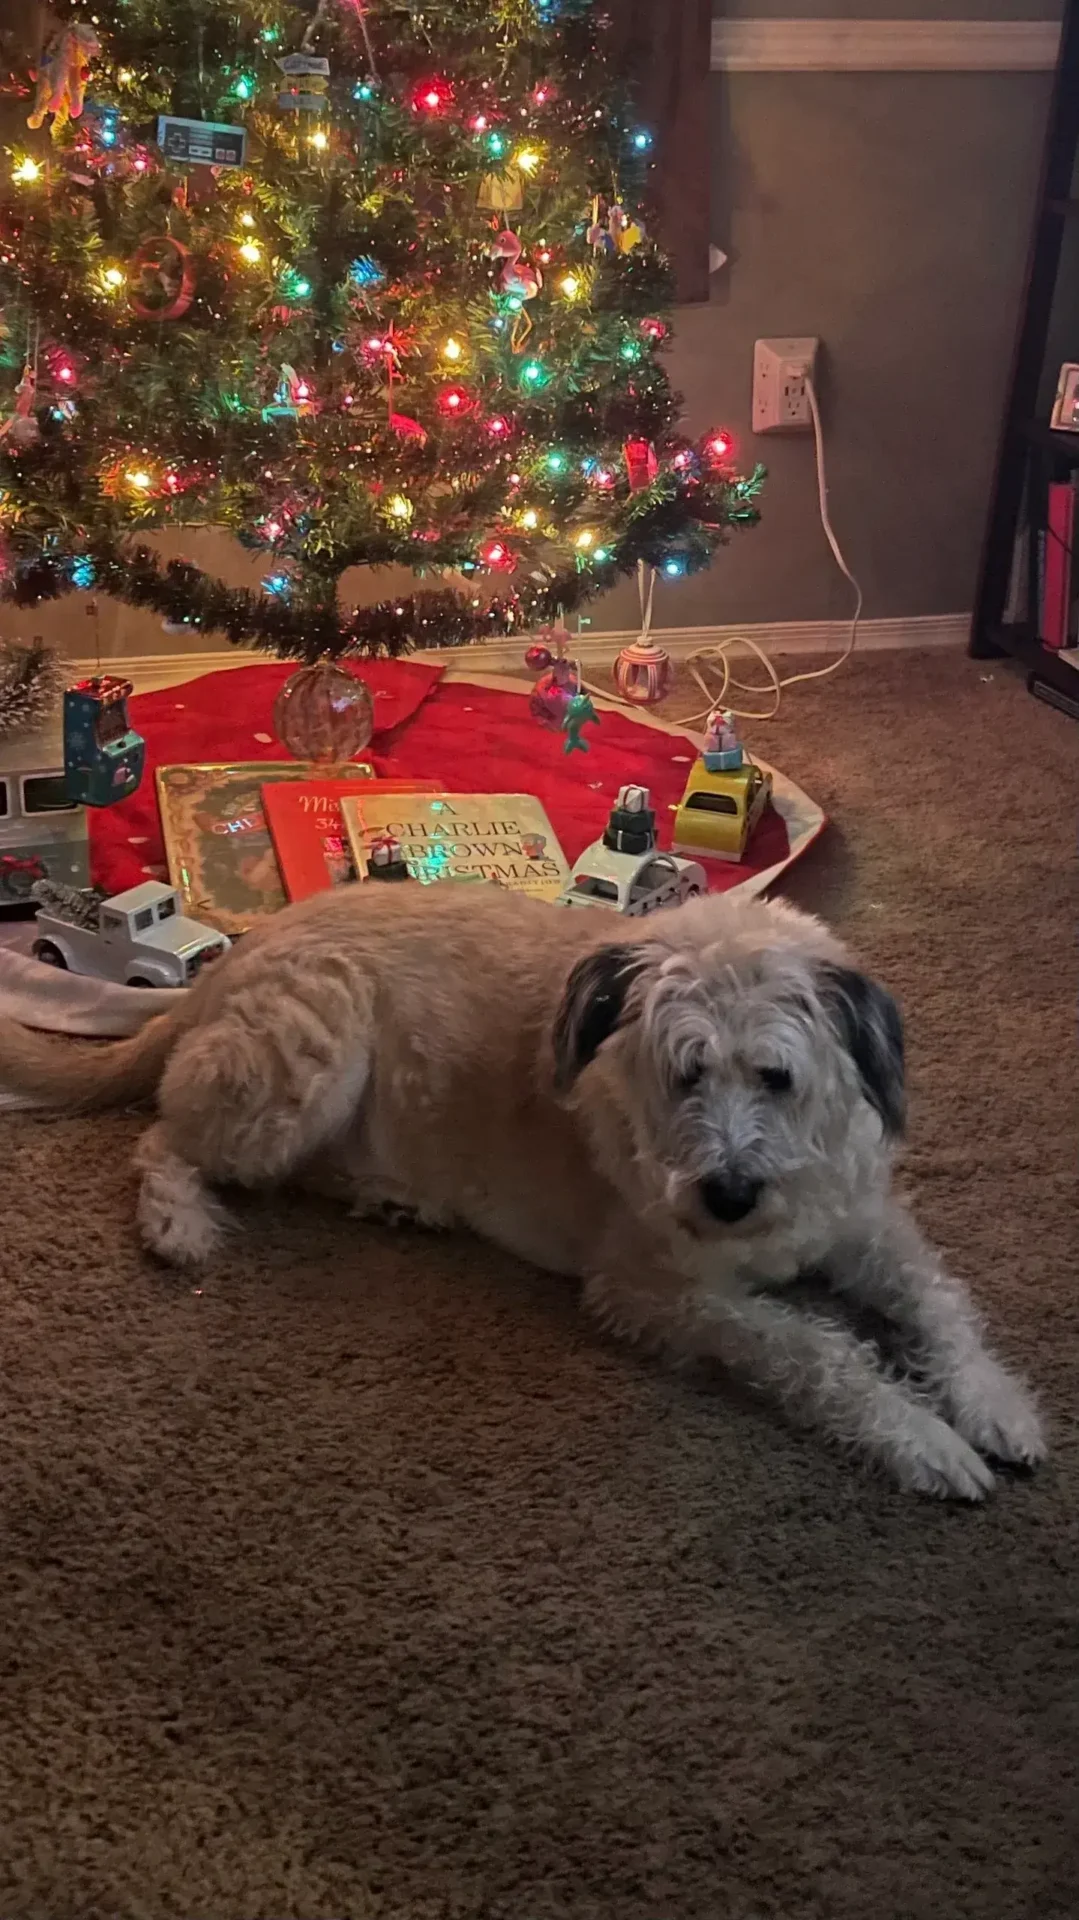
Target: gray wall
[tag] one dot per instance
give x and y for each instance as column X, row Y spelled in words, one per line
column 889, row 214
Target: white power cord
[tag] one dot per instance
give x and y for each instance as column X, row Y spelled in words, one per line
column 718, row 656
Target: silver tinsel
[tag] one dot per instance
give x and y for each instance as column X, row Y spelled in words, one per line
column 31, row 679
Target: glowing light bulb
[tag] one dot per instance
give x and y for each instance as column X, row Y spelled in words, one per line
column 530, row 519
column 528, row 160
column 674, row 568
column 720, row 444
column 247, row 219
column 27, row 170
column 66, row 373
column 113, row 277
column 533, row 373
column 479, row 124
column 140, row 478
column 556, row 461
column 498, row 426
column 496, row 144
column 585, row 540
column 319, row 140
column 570, row 286
column 251, row 252
column 452, row 350
column 601, row 554
column 400, row 508
column 642, row 140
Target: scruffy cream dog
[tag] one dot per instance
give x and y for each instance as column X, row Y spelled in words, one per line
column 686, row 1114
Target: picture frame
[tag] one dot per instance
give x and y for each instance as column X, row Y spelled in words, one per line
column 1065, row 416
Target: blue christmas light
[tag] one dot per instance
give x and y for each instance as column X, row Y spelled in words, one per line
column 276, row 583
column 642, row 140
column 496, row 144
column 366, row 272
column 83, row 572
column 363, row 90
column 674, row 569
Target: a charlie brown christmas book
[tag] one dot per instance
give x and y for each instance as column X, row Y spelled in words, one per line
column 501, row 837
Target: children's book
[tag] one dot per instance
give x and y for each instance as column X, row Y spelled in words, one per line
column 312, row 847
column 501, row 837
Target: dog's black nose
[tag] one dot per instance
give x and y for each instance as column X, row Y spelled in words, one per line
column 731, row 1198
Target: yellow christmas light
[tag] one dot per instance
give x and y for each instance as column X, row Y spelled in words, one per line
column 251, row 252
column 452, row 349
column 113, row 278
column 570, row 286
column 400, row 508
column 247, row 219
column 527, row 160
column 26, row 171
column 319, row 140
column 586, row 539
column 139, row 479
column 530, row 519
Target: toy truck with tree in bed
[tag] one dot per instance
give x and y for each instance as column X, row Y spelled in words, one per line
column 137, row 939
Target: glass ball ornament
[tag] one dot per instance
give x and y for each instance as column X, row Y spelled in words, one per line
column 642, row 673
column 552, row 694
column 324, row 714
column 537, row 659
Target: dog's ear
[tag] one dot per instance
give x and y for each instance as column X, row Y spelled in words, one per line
column 870, row 1026
column 592, row 1007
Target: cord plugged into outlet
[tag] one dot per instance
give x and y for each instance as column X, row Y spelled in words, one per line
column 783, row 369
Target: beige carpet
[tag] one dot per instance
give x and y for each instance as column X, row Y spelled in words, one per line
column 365, row 1581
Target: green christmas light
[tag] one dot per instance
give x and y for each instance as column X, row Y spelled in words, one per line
column 534, row 374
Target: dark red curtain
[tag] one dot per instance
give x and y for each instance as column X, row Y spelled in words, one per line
column 664, row 48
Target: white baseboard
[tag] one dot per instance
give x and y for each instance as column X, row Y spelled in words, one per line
column 885, row 46
column 151, row 671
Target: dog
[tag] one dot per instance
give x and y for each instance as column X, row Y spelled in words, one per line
column 687, row 1115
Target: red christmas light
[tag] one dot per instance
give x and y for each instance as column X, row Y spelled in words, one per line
column 496, row 555
column 498, row 426
column 433, row 96
column 454, row 402
column 719, row 445
column 654, row 329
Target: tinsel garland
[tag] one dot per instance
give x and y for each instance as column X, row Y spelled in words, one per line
column 180, row 592
column 30, row 683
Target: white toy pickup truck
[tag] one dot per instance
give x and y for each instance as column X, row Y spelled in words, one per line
column 137, row 939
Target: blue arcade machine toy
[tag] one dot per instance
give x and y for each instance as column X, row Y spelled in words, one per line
column 103, row 755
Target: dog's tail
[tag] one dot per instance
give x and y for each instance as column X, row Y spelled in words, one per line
column 81, row 1076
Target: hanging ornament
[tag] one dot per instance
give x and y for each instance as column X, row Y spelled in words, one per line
column 558, row 681
column 642, row 671
column 161, row 279
column 642, row 465
column 103, row 755
column 324, row 715
column 407, row 429
column 21, row 429
column 579, row 714
column 62, row 75
column 520, row 280
column 292, row 397
column 625, row 234
column 502, row 192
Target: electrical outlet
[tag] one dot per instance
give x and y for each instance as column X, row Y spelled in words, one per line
column 780, row 371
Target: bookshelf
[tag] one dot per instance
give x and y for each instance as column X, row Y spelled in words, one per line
column 1034, row 462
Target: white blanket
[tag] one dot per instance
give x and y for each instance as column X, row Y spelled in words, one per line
column 59, row 1002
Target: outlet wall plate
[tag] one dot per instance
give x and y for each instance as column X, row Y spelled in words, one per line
column 781, row 367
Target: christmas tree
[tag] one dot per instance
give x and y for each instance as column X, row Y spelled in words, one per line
column 366, row 284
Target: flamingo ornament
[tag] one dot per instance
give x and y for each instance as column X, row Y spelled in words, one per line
column 515, row 277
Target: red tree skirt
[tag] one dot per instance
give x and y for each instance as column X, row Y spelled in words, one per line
column 471, row 738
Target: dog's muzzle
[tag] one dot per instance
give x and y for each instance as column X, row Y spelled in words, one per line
column 729, row 1198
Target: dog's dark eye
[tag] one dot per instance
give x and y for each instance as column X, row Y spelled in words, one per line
column 776, row 1079
column 689, row 1074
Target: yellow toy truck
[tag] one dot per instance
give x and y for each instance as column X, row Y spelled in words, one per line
column 719, row 810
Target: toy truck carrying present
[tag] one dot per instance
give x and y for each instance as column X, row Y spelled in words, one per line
column 103, row 755
column 137, row 939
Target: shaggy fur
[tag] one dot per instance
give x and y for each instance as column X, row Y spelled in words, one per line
column 687, row 1122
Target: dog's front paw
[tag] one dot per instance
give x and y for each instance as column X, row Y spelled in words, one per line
column 934, row 1459
column 997, row 1414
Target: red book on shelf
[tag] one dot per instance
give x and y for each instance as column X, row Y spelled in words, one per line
column 1056, row 586
column 309, row 836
